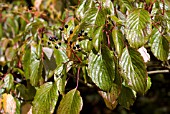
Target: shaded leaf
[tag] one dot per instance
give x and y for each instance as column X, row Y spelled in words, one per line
column 25, row 108
column 138, row 26
column 127, row 97
column 8, row 81
column 101, row 69
column 45, row 99
column 134, row 70
column 110, row 98
column 9, row 104
column 127, row 4
column 159, row 45
column 71, row 103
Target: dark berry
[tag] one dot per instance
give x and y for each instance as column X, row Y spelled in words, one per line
column 59, row 43
column 51, row 38
column 66, row 41
column 56, row 47
column 49, row 43
column 74, row 47
column 61, row 28
column 85, row 34
column 56, row 38
column 82, row 31
column 71, row 42
column 86, row 65
column 79, row 49
column 71, row 32
column 77, row 45
column 80, row 34
column 90, row 39
column 66, row 26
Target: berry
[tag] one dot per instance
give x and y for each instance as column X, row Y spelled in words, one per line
column 56, row 47
column 79, row 49
column 49, row 43
column 90, row 39
column 59, row 43
column 85, row 34
column 80, row 34
column 77, row 45
column 82, row 31
column 71, row 42
column 61, row 28
column 51, row 38
column 74, row 47
column 66, row 26
column 66, row 41
column 56, row 38
column 71, row 32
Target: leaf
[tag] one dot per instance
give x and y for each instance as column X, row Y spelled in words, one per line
column 101, row 69
column 25, row 108
column 71, row 103
column 97, row 38
column 110, row 98
column 26, row 62
column 8, row 81
column 45, row 99
column 134, row 70
column 138, row 27
column 118, row 41
column 144, row 54
column 126, row 3
column 95, row 16
column 126, row 97
column 36, row 70
column 9, row 104
column 149, row 83
column 159, row 45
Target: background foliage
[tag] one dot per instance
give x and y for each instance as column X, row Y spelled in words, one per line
column 60, row 56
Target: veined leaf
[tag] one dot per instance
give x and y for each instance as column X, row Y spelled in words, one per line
column 159, row 45
column 95, row 16
column 134, row 70
column 127, row 97
column 97, row 38
column 71, row 103
column 138, row 27
column 45, row 99
column 118, row 41
column 8, row 81
column 9, row 104
column 127, row 4
column 110, row 98
column 101, row 69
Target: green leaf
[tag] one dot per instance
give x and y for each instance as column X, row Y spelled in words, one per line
column 134, row 70
column 97, row 37
column 149, row 83
column 101, row 69
column 159, row 45
column 138, row 27
column 118, row 41
column 126, row 3
column 26, row 62
column 127, row 97
column 95, row 16
column 36, row 72
column 110, row 98
column 45, row 99
column 8, row 81
column 71, row 103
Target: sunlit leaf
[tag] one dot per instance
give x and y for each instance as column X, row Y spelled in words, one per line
column 8, row 81
column 159, row 45
column 45, row 99
column 134, row 70
column 101, row 69
column 127, row 4
column 71, row 103
column 138, row 27
column 9, row 104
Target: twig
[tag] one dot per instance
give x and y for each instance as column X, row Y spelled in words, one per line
column 78, row 74
column 158, row 72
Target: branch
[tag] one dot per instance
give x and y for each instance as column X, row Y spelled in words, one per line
column 158, row 72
